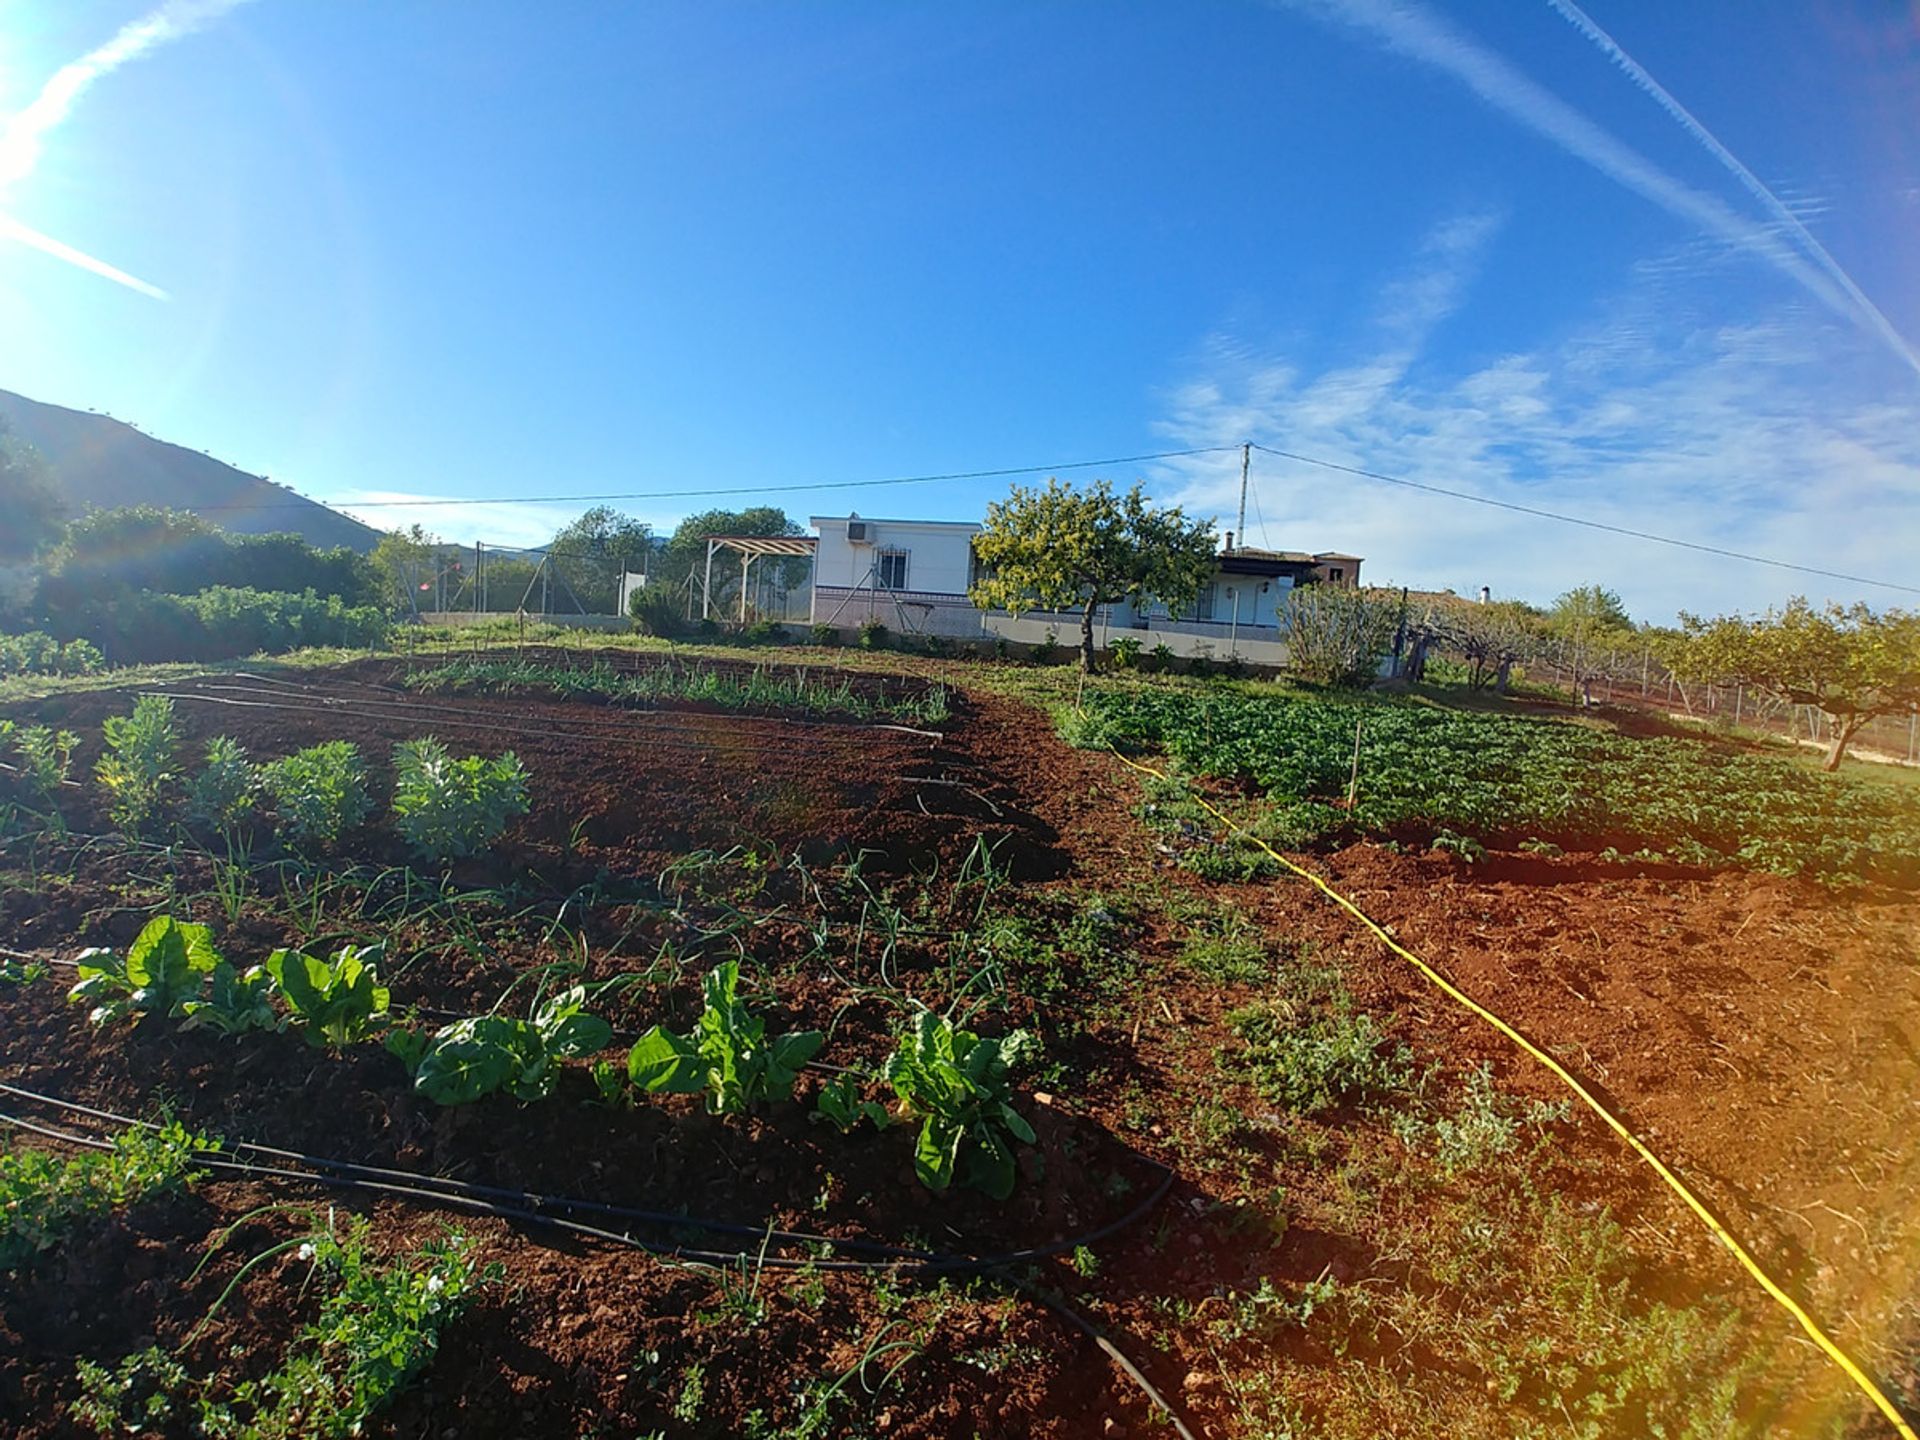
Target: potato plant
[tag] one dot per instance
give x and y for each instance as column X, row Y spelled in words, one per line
column 448, row 808
column 728, row 1054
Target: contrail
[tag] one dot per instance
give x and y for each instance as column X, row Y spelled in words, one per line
column 1868, row 312
column 12, row 229
column 1415, row 31
column 23, row 137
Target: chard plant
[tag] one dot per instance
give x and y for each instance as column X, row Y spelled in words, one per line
column 486, row 1054
column 138, row 771
column 337, row 1002
column 728, row 1055
column 955, row 1083
column 163, row 969
column 236, row 1002
column 320, row 792
column 448, row 808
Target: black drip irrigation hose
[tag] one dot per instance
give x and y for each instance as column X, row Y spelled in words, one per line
column 534, row 1209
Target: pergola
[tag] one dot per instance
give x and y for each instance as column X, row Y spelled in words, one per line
column 750, row 548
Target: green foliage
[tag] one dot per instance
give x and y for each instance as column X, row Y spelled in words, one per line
column 486, row 1054
column 1497, row 776
column 655, row 611
column 1338, row 635
column 46, row 760
column 1312, row 1061
column 728, row 1054
column 320, row 792
column 339, row 1001
column 28, row 498
column 1849, row 662
column 1068, row 548
column 1125, row 650
column 872, row 634
column 379, row 1324
column 1485, row 1128
column 589, row 555
column 955, row 1083
column 842, row 1104
column 139, row 770
column 224, row 794
column 162, row 970
column 765, row 687
column 38, row 653
column 446, row 808
column 826, row 635
column 42, row 1196
column 235, row 1001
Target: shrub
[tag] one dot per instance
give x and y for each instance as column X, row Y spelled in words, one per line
column 764, row 632
column 1048, row 650
column 1162, row 656
column 1338, row 636
column 139, row 770
column 656, row 613
column 320, row 792
column 37, row 653
column 224, row 794
column 827, row 635
column 1126, row 651
column 873, row 634
column 223, row 623
column 447, row 808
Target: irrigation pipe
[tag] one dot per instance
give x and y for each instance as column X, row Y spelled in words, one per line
column 526, row 1208
column 1640, row 1147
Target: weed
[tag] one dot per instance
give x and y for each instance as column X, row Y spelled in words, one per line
column 1312, row 1062
column 1487, row 1126
column 42, row 1196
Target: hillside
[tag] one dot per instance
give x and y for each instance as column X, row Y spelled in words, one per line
column 95, row 460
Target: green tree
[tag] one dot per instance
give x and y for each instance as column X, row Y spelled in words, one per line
column 406, row 558
column 1065, row 548
column 686, row 551
column 590, row 554
column 1491, row 637
column 1585, row 626
column 29, row 504
column 1847, row 661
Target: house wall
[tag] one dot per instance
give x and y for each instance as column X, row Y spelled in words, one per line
column 939, row 555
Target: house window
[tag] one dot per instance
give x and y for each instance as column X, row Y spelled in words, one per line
column 1336, row 574
column 1202, row 606
column 890, row 569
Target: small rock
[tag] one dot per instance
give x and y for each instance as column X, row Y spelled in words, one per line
column 1199, row 1380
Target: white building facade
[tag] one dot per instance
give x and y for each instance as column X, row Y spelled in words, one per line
column 910, row 575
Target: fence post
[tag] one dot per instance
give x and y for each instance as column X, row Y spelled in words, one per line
column 1739, row 692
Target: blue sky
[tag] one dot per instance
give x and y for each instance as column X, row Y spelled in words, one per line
column 489, row 250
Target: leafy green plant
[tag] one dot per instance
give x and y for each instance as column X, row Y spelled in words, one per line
column 485, row 1054
column 955, row 1083
column 43, row 1195
column 1486, row 1127
column 143, row 1393
column 224, row 794
column 163, row 969
column 841, row 1103
column 1125, row 650
column 826, row 635
column 46, row 761
column 872, row 634
column 338, row 1002
column 320, row 792
column 235, row 1002
column 446, row 808
column 139, row 770
column 728, row 1054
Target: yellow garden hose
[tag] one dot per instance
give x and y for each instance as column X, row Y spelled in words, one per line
column 1673, row 1182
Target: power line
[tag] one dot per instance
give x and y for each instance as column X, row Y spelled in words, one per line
column 732, row 490
column 1589, row 524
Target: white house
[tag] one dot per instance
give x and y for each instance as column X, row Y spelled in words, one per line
column 913, row 577
column 910, row 575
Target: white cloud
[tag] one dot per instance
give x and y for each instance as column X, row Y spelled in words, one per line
column 1736, row 436
column 496, row 523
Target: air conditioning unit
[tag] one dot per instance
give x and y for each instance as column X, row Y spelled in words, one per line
column 857, row 533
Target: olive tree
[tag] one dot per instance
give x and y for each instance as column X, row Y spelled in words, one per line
column 1847, row 661
column 1068, row 548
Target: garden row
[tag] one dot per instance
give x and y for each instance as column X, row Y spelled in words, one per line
column 761, row 688
column 954, row 1082
column 444, row 807
column 1336, row 768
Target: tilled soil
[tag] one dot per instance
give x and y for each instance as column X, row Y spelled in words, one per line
column 1761, row 1033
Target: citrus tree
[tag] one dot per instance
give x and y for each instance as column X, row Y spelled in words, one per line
column 1847, row 661
column 1068, row 548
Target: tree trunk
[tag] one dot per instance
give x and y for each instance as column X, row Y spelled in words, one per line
column 1086, row 635
column 1844, row 730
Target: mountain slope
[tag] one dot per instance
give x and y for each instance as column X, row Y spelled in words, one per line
column 95, row 460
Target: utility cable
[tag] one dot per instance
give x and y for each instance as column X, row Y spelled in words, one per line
column 1560, row 1072
column 1589, row 524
